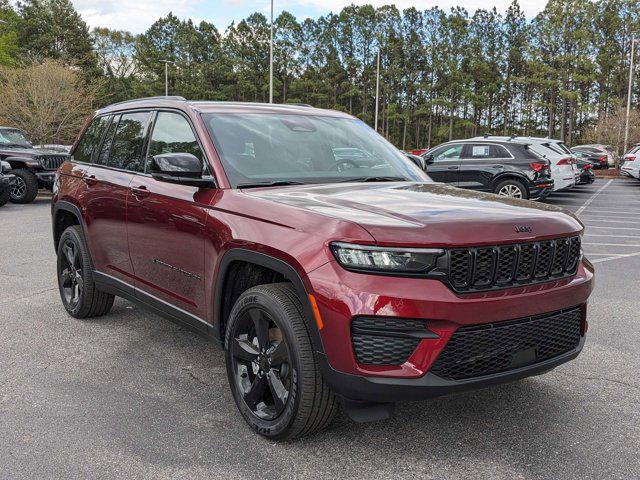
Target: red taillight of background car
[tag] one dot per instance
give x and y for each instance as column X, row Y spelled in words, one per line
column 630, row 158
column 587, row 167
column 603, row 159
column 566, row 161
column 538, row 166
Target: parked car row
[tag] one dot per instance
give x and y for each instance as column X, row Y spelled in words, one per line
column 519, row 167
column 31, row 167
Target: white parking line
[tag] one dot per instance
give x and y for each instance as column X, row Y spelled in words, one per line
column 611, row 221
column 616, row 257
column 612, row 227
column 593, row 197
column 612, row 244
column 596, row 216
column 608, row 235
column 616, row 212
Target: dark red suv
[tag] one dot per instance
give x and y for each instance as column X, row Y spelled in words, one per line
column 327, row 264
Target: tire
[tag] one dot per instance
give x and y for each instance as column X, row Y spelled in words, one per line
column 25, row 188
column 75, row 268
column 513, row 186
column 309, row 405
column 5, row 195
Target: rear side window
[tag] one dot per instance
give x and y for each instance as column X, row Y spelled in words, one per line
column 487, row 151
column 103, row 155
column 126, row 151
column 90, row 140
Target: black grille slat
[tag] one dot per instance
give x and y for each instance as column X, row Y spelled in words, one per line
column 545, row 257
column 487, row 268
column 478, row 350
column 484, row 262
column 52, row 162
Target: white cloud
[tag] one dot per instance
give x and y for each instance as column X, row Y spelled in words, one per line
column 135, row 16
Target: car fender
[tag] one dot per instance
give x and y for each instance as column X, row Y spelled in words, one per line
column 273, row 263
column 19, row 162
column 514, row 174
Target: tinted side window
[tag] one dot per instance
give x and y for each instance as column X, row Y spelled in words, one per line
column 451, row 152
column 103, row 155
column 90, row 140
column 126, row 151
column 172, row 134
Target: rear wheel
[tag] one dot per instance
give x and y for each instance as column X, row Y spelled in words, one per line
column 79, row 294
column 272, row 367
column 511, row 188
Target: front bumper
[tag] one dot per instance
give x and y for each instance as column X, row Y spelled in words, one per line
column 342, row 295
column 46, row 178
column 383, row 389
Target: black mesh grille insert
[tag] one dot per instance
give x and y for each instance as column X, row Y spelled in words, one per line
column 385, row 341
column 486, row 268
column 478, row 350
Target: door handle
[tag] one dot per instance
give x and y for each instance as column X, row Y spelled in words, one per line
column 140, row 192
column 452, row 168
column 90, row 180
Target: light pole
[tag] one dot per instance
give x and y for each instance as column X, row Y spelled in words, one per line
column 271, row 58
column 166, row 75
column 626, row 127
column 375, row 122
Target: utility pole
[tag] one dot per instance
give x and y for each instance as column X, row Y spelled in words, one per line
column 626, row 128
column 271, row 58
column 166, row 75
column 375, row 122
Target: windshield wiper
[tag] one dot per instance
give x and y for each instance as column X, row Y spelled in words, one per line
column 276, row 183
column 375, row 179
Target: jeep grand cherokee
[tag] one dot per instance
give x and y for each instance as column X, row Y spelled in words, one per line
column 325, row 262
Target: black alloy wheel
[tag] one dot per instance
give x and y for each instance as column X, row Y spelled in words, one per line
column 79, row 294
column 71, row 280
column 261, row 363
column 272, row 367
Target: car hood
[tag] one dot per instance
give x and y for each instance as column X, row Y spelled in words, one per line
column 402, row 213
column 28, row 152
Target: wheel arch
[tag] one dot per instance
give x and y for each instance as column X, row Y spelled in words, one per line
column 18, row 162
column 65, row 214
column 286, row 270
column 511, row 176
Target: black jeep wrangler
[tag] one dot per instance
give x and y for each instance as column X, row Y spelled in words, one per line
column 7, row 181
column 33, row 168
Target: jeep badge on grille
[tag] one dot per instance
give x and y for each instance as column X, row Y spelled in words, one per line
column 523, row 229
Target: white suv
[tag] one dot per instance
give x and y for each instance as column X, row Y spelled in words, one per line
column 563, row 162
column 631, row 163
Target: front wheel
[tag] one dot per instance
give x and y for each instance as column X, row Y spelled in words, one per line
column 25, row 187
column 511, row 188
column 272, row 367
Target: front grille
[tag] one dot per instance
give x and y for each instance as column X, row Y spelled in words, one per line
column 386, row 341
column 52, row 162
column 478, row 350
column 487, row 268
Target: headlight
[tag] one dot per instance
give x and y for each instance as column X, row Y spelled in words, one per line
column 385, row 259
column 4, row 166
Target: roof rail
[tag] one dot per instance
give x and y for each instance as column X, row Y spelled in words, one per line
column 297, row 104
column 159, row 97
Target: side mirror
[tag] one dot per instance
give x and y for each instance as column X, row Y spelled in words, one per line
column 180, row 168
column 428, row 158
column 417, row 160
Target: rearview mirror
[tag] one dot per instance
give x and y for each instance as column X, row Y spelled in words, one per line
column 180, row 168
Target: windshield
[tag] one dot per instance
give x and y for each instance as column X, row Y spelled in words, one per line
column 12, row 136
column 262, row 149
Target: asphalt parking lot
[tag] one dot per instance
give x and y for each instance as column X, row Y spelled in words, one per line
column 132, row 395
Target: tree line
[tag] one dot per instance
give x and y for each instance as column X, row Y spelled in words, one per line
column 444, row 74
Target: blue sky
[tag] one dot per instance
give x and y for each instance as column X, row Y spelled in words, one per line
column 137, row 15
